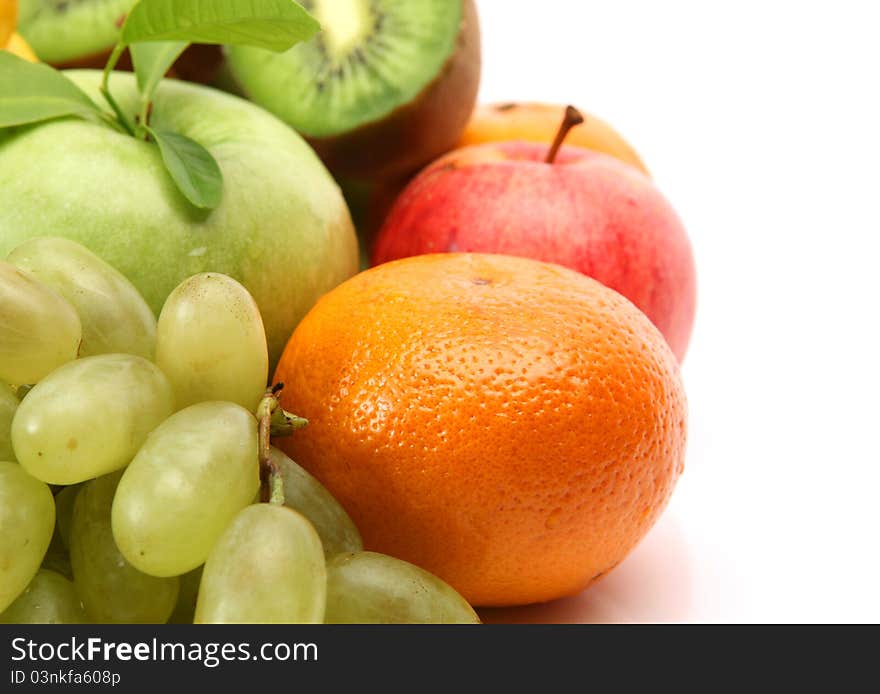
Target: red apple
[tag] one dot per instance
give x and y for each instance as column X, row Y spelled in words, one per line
column 573, row 206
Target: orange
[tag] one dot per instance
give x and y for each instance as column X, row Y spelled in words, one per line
column 512, row 426
column 534, row 122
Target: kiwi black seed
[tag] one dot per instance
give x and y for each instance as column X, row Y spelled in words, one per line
column 384, row 88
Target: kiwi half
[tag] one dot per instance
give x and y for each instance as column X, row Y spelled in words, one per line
column 81, row 34
column 70, row 32
column 384, row 88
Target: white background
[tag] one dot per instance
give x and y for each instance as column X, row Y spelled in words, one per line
column 760, row 121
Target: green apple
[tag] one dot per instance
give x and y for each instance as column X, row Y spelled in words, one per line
column 282, row 228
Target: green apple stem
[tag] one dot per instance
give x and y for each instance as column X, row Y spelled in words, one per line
column 144, row 119
column 273, row 421
column 572, row 118
column 118, row 50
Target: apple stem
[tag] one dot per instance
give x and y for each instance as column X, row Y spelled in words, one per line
column 143, row 120
column 118, row 50
column 572, row 118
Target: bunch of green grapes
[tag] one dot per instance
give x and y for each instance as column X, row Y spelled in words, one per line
column 137, row 479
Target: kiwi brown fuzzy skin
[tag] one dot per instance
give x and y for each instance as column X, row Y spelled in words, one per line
column 418, row 132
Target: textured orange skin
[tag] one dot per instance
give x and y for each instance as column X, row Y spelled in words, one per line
column 509, row 425
column 533, row 122
column 587, row 211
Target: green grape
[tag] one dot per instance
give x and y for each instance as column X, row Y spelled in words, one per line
column 211, row 342
column 371, row 588
column 266, row 568
column 114, row 316
column 64, row 501
column 196, row 471
column 39, row 329
column 305, row 494
column 49, row 599
column 89, row 417
column 27, row 519
column 8, row 403
column 185, row 610
column 112, row 590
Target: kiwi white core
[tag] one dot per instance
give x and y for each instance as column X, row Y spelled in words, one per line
column 345, row 23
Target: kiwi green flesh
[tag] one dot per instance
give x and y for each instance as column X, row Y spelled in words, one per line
column 370, row 58
column 64, row 31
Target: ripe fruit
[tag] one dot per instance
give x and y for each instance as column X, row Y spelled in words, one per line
column 267, row 567
column 62, row 32
column 112, row 590
column 385, row 87
column 114, row 316
column 81, row 34
column 304, row 494
column 49, row 599
column 512, row 426
column 371, row 588
column 212, row 344
column 27, row 519
column 282, row 228
column 539, row 123
column 39, row 329
column 585, row 210
column 89, row 417
column 202, row 463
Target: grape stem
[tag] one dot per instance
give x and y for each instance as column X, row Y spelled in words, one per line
column 273, row 421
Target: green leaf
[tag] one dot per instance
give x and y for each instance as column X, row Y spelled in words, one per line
column 273, row 24
column 194, row 170
column 33, row 92
column 152, row 61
